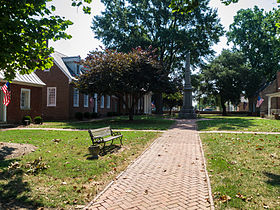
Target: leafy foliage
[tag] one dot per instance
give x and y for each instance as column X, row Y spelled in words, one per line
column 25, row 27
column 186, row 6
column 126, row 24
column 173, row 99
column 254, row 33
column 121, row 74
column 223, row 77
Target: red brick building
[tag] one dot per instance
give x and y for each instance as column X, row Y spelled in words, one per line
column 271, row 96
column 26, row 98
column 61, row 100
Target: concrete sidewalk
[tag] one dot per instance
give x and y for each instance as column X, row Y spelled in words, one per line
column 170, row 174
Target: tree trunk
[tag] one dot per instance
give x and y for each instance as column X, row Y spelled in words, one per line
column 170, row 111
column 159, row 103
column 223, row 107
column 131, row 113
column 251, row 104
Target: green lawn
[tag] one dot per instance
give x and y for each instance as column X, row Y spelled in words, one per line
column 70, row 178
column 238, row 123
column 139, row 123
column 244, row 170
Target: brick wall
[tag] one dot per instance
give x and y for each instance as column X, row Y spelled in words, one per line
column 80, row 108
column 272, row 88
column 55, row 78
column 14, row 112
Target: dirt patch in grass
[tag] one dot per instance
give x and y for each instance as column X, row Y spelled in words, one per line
column 13, row 150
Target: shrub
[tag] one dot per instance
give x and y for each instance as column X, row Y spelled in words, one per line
column 26, row 118
column 38, row 120
column 79, row 115
column 94, row 115
column 87, row 115
column 111, row 114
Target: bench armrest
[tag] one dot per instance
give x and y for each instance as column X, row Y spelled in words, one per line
column 115, row 133
column 97, row 139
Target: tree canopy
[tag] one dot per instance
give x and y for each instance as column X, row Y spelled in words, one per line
column 25, row 27
column 186, row 6
column 223, row 77
column 254, row 33
column 126, row 24
column 131, row 74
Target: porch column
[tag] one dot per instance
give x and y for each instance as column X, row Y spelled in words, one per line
column 269, row 106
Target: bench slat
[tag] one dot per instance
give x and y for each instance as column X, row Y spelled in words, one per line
column 102, row 135
column 100, row 132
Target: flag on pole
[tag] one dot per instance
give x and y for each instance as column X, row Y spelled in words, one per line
column 7, row 94
column 259, row 101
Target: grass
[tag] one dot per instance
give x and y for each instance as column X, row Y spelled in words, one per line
column 70, row 178
column 238, row 123
column 122, row 122
column 244, row 170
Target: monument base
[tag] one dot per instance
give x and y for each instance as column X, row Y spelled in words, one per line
column 187, row 114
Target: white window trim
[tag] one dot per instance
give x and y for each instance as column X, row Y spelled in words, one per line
column 76, row 104
column 102, row 102
column 28, row 102
column 108, row 102
column 86, row 100
column 48, row 91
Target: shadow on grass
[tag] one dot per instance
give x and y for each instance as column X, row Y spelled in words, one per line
column 140, row 122
column 107, row 149
column 226, row 124
column 273, row 179
column 5, row 151
column 13, row 188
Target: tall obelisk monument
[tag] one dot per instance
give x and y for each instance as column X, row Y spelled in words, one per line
column 187, row 111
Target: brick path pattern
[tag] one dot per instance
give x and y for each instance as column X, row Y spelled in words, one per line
column 168, row 175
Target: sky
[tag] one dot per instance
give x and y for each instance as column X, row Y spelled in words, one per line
column 83, row 40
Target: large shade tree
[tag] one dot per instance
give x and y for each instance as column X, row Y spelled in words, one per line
column 132, row 74
column 126, row 24
column 254, row 33
column 224, row 77
column 25, row 27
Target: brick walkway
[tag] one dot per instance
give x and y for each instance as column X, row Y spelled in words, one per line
column 169, row 175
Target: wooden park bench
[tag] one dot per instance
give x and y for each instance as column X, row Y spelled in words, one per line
column 103, row 135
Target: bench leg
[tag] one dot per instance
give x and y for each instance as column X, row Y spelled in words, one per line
column 121, row 140
column 112, row 141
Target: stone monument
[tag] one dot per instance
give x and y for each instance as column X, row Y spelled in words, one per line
column 187, row 110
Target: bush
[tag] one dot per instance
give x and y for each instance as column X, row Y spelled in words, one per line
column 87, row 115
column 94, row 115
column 79, row 115
column 26, row 118
column 111, row 114
column 38, row 120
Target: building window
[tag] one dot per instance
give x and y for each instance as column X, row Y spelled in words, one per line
column 102, row 102
column 25, row 99
column 51, row 96
column 76, row 98
column 85, row 100
column 108, row 102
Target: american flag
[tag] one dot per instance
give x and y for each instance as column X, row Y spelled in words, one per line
column 7, row 91
column 259, row 101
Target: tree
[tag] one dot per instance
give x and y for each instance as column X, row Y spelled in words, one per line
column 25, row 27
column 173, row 99
column 131, row 74
column 223, row 77
column 186, row 6
column 126, row 24
column 254, row 33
